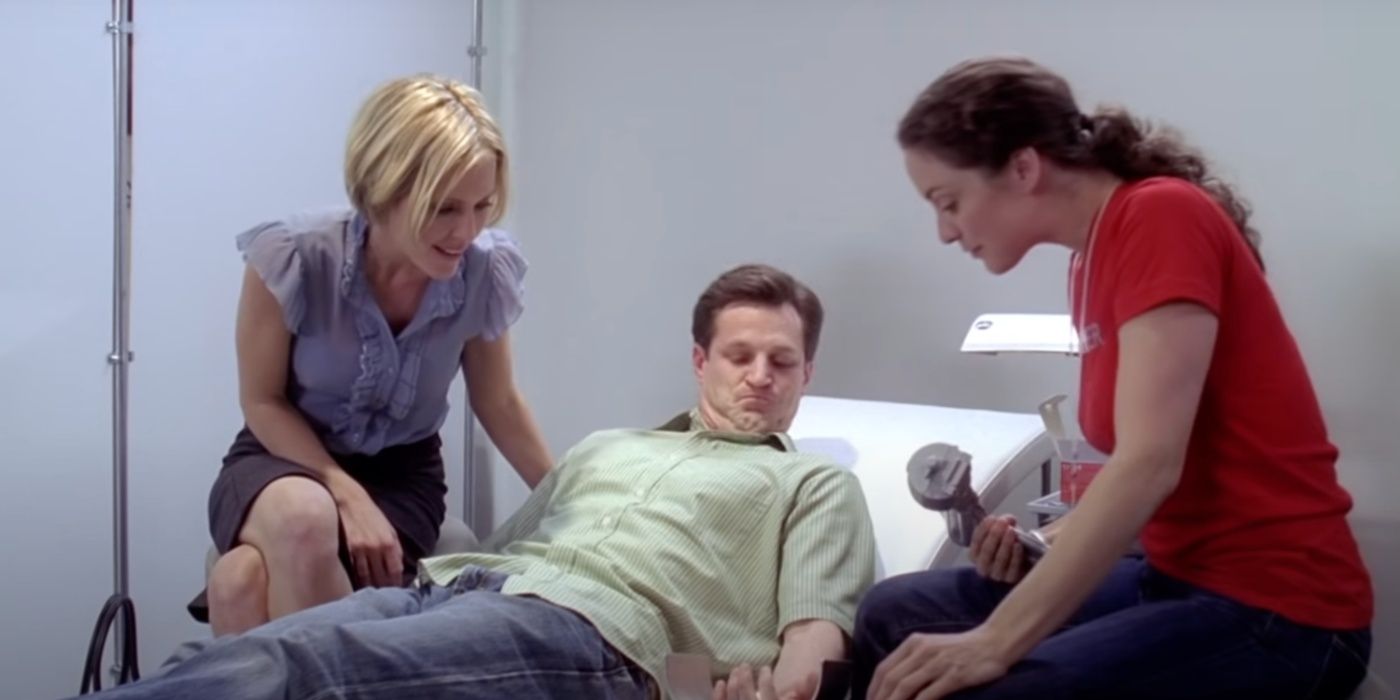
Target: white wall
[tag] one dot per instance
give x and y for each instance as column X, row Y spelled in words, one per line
column 55, row 334
column 658, row 143
column 241, row 114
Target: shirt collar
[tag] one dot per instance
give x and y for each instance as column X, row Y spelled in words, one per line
column 445, row 298
column 354, row 248
column 692, row 422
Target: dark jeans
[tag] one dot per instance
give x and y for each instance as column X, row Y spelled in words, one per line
column 1142, row 634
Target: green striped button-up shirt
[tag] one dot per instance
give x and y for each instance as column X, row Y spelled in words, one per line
column 687, row 540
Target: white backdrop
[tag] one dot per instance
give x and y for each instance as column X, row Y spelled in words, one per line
column 55, row 335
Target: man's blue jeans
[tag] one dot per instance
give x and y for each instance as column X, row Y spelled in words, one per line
column 466, row 641
column 1141, row 635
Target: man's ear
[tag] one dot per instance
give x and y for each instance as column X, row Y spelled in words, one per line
column 698, row 358
column 807, row 374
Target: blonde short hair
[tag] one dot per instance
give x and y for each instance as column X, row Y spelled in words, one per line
column 413, row 138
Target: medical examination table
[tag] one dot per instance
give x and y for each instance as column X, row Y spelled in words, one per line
column 1011, row 462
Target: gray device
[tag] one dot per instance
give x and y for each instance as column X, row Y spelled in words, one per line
column 940, row 478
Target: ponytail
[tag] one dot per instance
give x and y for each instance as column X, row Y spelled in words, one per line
column 1134, row 149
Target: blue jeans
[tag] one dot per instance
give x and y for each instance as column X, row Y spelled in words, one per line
column 1142, row 634
column 466, row 641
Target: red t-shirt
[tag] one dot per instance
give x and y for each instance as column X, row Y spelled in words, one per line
column 1258, row 515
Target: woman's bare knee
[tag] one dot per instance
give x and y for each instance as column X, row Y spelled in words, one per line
column 295, row 526
column 237, row 576
column 293, row 517
column 237, row 591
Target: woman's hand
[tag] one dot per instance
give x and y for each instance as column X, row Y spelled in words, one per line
column 930, row 666
column 741, row 685
column 372, row 541
column 995, row 550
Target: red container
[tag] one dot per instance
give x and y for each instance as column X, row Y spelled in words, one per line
column 1075, row 477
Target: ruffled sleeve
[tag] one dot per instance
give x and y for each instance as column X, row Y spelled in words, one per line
column 504, row 297
column 272, row 251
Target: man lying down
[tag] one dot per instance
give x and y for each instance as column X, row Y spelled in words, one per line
column 708, row 536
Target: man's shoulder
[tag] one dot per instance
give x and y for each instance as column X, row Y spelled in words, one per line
column 807, row 466
column 805, row 474
column 617, row 438
column 622, row 435
column 794, row 464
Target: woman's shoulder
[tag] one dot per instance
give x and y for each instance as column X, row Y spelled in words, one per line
column 1165, row 195
column 1172, row 210
column 494, row 276
column 495, row 241
column 296, row 254
column 496, row 258
column 310, row 232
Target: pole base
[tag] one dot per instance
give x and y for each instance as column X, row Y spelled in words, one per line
column 126, row 668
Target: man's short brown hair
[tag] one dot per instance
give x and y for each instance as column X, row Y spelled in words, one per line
column 762, row 285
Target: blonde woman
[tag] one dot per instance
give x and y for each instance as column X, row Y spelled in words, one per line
column 351, row 327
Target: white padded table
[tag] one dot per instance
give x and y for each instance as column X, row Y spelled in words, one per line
column 875, row 439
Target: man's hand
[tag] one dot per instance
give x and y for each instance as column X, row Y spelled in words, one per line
column 806, row 644
column 741, row 685
column 930, row 666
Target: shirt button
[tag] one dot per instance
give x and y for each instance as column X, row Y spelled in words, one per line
column 607, row 522
column 640, row 492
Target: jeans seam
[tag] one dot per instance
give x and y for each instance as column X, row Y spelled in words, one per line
column 1365, row 663
column 1322, row 672
column 442, row 679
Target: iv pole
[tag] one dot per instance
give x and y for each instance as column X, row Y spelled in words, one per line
column 119, row 612
column 476, row 51
column 121, row 355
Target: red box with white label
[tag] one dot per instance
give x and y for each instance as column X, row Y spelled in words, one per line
column 1079, row 464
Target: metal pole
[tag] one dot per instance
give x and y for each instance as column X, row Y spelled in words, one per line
column 121, row 356
column 476, row 51
column 478, row 47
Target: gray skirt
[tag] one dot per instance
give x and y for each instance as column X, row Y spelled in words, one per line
column 407, row 482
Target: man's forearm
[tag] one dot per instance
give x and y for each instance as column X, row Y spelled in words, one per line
column 806, row 644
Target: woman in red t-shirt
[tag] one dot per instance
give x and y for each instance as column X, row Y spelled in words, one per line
column 1251, row 584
